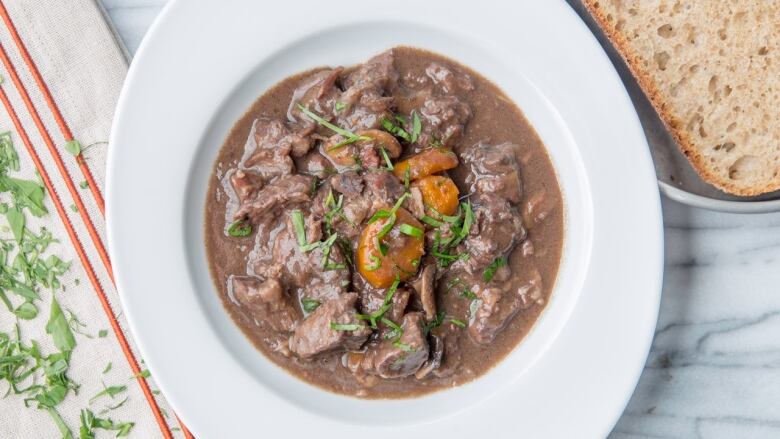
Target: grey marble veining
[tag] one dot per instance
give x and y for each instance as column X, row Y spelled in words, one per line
column 714, row 368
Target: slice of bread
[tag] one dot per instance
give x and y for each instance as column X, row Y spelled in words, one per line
column 712, row 71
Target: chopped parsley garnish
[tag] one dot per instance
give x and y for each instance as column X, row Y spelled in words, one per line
column 458, row 229
column 111, row 391
column 375, row 263
column 410, row 230
column 403, row 346
column 349, row 135
column 239, row 229
column 309, row 305
column 300, row 232
column 395, row 130
column 345, row 326
column 90, row 423
column 395, row 330
column 388, row 162
column 458, row 323
column 433, row 222
column 416, row 126
column 84, row 184
column 73, row 147
column 467, row 293
column 490, row 271
column 339, row 106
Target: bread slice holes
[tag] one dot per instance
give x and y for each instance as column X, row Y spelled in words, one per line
column 747, row 166
column 666, row 31
column 662, row 59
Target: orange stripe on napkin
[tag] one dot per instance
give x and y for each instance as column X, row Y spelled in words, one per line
column 93, row 187
column 82, row 210
column 85, row 262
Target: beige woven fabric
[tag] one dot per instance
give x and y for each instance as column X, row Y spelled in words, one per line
column 83, row 66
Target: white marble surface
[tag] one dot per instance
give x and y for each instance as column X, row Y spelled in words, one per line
column 714, row 368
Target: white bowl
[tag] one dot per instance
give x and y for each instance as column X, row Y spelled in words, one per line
column 186, row 89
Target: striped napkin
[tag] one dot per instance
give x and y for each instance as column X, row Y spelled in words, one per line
column 62, row 70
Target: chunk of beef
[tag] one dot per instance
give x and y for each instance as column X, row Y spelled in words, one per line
column 383, row 187
column 424, row 285
column 496, row 307
column 364, row 100
column 319, row 94
column 494, row 170
column 245, row 184
column 444, row 118
column 314, row 164
column 277, row 196
column 266, row 301
column 377, row 73
column 400, row 358
column 278, row 254
column 270, row 146
column 497, row 229
column 314, row 335
column 450, row 81
column 348, row 183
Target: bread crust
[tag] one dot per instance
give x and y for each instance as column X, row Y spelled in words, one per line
column 672, row 123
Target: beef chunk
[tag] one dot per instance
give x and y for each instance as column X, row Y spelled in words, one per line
column 495, row 309
column 319, row 94
column 314, row 164
column 278, row 254
column 270, row 146
column 450, row 81
column 314, row 335
column 245, row 184
column 348, row 183
column 281, row 194
column 400, row 358
column 364, row 100
column 444, row 119
column 266, row 302
column 498, row 228
column 494, row 170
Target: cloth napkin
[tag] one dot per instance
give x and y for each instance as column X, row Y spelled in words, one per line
column 62, row 69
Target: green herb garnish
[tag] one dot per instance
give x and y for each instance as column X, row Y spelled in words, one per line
column 410, row 230
column 336, row 129
column 416, row 127
column 111, row 391
column 458, row 323
column 395, row 130
column 388, row 163
column 490, row 271
column 339, row 106
column 239, row 229
column 73, row 147
column 345, row 326
column 90, row 423
column 403, row 346
column 309, row 305
column 375, row 263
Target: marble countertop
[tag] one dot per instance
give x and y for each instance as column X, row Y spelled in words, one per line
column 714, row 368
